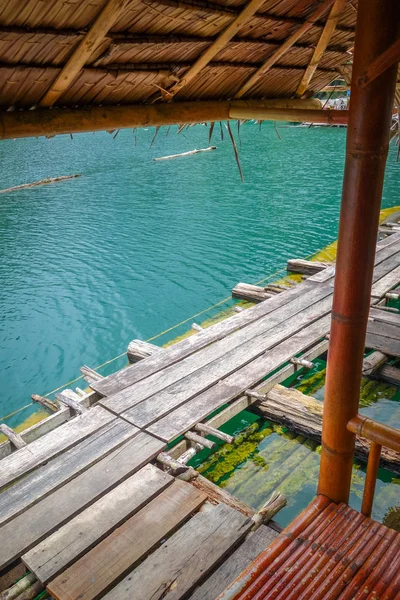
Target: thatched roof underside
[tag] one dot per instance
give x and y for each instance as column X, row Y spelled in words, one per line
column 151, row 45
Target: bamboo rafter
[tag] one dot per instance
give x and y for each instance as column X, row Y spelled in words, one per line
column 84, row 51
column 220, row 42
column 326, row 35
column 284, row 48
column 218, row 9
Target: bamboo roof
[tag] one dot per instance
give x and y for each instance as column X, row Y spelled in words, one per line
column 147, row 47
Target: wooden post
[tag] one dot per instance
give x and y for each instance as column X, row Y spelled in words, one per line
column 322, row 45
column 366, row 153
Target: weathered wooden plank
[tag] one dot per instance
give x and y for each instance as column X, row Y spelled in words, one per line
column 252, row 293
column 388, row 241
column 217, row 355
column 38, row 452
column 390, row 374
column 386, row 283
column 389, row 330
column 235, row 564
column 58, row 471
column 41, row 519
column 185, row 559
column 134, row 373
column 306, row 267
column 97, row 570
column 183, row 418
column 43, row 427
column 383, row 316
column 383, row 253
column 76, row 537
column 386, row 345
column 160, row 404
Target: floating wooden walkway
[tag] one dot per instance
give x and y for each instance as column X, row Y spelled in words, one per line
column 84, row 502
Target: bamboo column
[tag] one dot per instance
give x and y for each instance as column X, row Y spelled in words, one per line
column 366, row 153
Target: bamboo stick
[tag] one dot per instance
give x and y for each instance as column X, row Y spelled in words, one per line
column 331, row 117
column 84, row 51
column 51, row 406
column 14, row 437
column 284, row 47
column 32, row 123
column 209, row 430
column 67, row 399
column 221, row 41
column 19, row 587
column 330, row 26
column 199, row 439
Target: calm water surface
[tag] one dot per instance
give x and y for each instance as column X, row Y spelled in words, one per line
column 135, row 246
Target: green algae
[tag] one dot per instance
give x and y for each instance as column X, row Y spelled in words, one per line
column 312, row 383
column 230, row 456
column 392, row 518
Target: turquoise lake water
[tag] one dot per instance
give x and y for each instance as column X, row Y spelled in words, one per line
column 134, row 246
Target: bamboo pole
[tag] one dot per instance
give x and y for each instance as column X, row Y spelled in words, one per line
column 330, row 117
column 221, row 41
column 322, row 45
column 94, row 37
column 29, row 123
column 366, row 153
column 284, row 48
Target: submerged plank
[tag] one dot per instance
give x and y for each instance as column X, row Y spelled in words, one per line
column 41, row 450
column 160, row 404
column 97, row 570
column 41, row 519
column 184, row 417
column 58, row 471
column 134, row 373
column 173, row 570
column 174, row 385
column 76, row 537
column 236, row 563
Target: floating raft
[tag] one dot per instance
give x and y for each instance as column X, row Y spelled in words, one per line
column 85, row 502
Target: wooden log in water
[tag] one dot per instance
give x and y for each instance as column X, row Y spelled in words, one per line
column 138, row 349
column 41, row 182
column 303, row 414
column 253, row 293
column 305, row 267
column 171, row 156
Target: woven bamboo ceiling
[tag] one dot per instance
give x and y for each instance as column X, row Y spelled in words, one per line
column 77, row 53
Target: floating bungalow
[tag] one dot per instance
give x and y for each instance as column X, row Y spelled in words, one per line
column 98, row 500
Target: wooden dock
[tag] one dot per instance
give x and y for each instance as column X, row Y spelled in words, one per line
column 85, row 502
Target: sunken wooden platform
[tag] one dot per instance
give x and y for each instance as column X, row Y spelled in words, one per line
column 86, row 507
